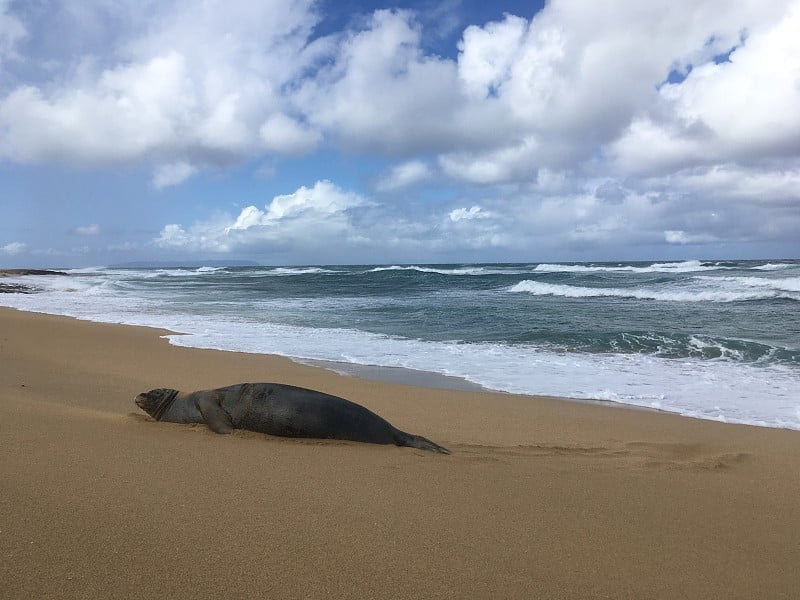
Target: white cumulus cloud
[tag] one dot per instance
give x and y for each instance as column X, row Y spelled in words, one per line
column 741, row 109
column 320, row 201
column 404, row 175
column 488, row 53
column 181, row 82
column 382, row 93
column 310, row 217
column 474, row 212
column 12, row 248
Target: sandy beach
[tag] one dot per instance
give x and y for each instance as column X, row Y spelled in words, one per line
column 541, row 497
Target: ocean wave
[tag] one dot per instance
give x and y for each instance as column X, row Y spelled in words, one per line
column 773, row 267
column 705, row 376
column 298, row 271
column 688, row 266
column 458, row 271
column 679, row 345
column 778, row 284
column 209, row 269
column 90, row 271
column 177, row 272
column 538, row 288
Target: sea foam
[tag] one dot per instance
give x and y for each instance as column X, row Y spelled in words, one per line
column 741, row 291
column 689, row 266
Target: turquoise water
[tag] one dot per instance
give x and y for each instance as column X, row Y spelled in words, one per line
column 717, row 340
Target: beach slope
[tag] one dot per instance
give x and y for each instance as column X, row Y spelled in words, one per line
column 541, row 498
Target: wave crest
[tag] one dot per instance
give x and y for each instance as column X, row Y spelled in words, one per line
column 440, row 271
column 747, row 293
column 687, row 266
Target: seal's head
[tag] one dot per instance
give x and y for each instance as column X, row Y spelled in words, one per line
column 156, row 402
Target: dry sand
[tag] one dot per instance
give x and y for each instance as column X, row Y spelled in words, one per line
column 541, row 498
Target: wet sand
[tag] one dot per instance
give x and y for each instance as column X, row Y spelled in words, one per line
column 541, row 498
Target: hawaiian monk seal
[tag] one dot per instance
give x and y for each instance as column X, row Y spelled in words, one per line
column 278, row 409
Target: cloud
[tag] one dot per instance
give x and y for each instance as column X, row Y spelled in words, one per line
column 404, row 175
column 157, row 94
column 12, row 248
column 284, row 135
column 92, row 229
column 307, row 218
column 575, row 81
column 173, row 235
column 558, row 216
column 343, row 225
column 556, row 91
column 474, row 228
column 461, row 214
column 381, row 93
column 762, row 184
column 488, row 53
column 172, row 174
column 322, row 200
column 11, row 32
column 129, row 111
column 728, row 203
column 681, row 237
column 741, row 109
column 509, row 163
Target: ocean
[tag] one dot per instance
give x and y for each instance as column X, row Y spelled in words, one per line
column 708, row 339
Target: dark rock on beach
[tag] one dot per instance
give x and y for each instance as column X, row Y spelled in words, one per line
column 20, row 272
column 19, row 288
column 15, row 288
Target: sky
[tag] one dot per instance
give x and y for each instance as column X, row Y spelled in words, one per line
column 352, row 132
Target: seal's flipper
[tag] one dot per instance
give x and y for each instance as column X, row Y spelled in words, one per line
column 401, row 438
column 215, row 417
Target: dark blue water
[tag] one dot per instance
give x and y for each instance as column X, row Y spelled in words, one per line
column 737, row 310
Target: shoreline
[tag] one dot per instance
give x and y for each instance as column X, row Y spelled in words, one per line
column 738, row 388
column 434, row 380
column 415, row 377
column 402, row 375
column 396, row 375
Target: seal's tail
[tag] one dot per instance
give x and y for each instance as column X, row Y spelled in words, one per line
column 402, row 438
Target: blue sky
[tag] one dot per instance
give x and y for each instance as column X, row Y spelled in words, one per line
column 301, row 132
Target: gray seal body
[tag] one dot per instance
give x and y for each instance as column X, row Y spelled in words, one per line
column 278, row 409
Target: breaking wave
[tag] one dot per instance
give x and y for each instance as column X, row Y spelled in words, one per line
column 743, row 291
column 467, row 270
column 688, row 266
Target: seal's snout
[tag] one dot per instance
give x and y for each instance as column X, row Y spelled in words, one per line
column 147, row 401
column 156, row 402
